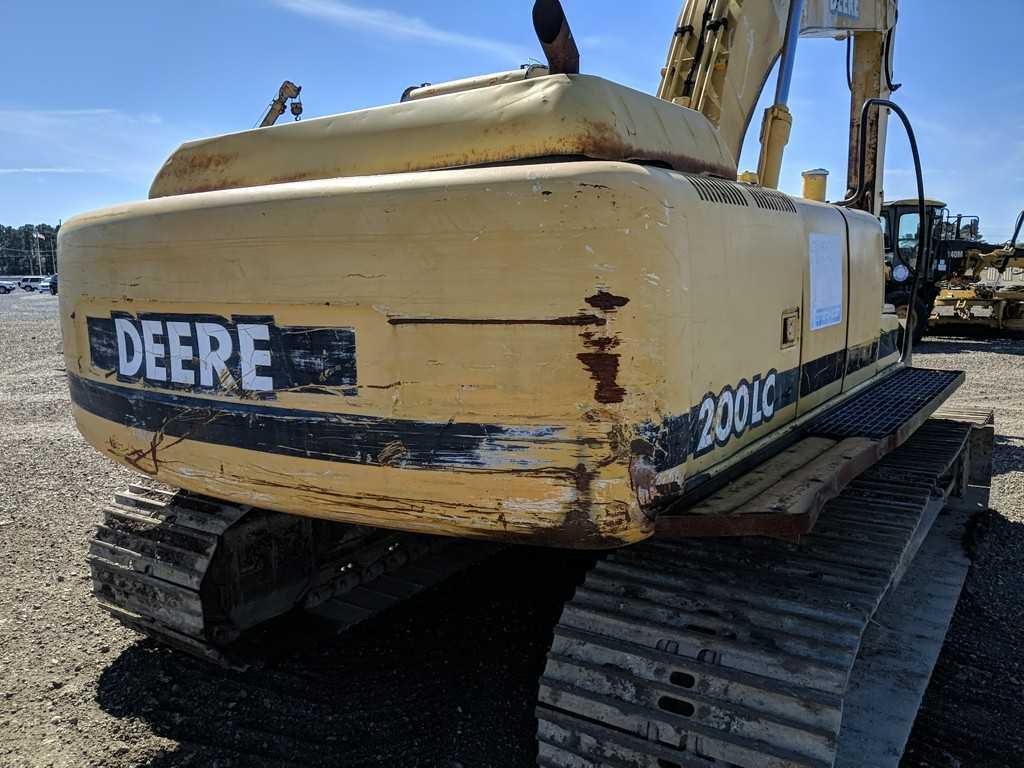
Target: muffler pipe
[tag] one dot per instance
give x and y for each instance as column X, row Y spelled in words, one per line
column 556, row 38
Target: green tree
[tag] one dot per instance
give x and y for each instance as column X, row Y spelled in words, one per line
column 22, row 253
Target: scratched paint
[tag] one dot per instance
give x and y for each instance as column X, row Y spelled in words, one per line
column 604, row 370
column 606, row 301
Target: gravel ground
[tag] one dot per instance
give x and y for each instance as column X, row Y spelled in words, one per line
column 974, row 707
column 447, row 680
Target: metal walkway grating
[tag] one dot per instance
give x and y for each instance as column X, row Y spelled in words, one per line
column 884, row 409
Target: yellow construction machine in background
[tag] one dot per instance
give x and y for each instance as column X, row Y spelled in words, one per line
column 965, row 281
column 985, row 287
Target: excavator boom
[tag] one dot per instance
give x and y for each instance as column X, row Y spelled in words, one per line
column 723, row 51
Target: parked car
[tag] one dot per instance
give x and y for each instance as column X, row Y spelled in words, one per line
column 53, row 284
column 33, row 283
column 6, row 286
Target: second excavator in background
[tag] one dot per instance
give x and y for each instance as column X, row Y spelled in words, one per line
column 984, row 286
column 965, row 281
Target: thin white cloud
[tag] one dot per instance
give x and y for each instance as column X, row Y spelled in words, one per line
column 399, row 25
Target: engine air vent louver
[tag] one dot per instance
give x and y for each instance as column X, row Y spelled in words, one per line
column 717, row 191
column 770, row 200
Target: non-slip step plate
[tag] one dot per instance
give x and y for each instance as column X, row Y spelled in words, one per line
column 892, row 408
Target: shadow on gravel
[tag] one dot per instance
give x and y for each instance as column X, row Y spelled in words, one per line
column 447, row 680
column 978, row 341
column 1008, row 455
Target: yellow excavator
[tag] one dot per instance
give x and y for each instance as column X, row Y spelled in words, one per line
column 964, row 282
column 967, row 299
column 537, row 307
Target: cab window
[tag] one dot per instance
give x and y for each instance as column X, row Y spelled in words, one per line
column 907, row 238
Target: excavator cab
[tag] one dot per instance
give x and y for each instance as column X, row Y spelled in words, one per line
column 955, row 253
column 902, row 228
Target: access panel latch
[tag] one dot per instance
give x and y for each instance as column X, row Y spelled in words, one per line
column 790, row 328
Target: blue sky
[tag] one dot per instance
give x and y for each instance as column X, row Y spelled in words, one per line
column 97, row 94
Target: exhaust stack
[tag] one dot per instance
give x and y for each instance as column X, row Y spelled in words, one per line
column 555, row 37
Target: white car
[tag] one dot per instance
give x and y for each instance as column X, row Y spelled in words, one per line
column 6, row 286
column 35, row 283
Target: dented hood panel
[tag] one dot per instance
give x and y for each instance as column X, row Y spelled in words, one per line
column 558, row 115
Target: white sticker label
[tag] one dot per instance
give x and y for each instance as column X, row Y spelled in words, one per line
column 826, row 280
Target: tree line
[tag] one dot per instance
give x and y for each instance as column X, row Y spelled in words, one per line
column 30, row 249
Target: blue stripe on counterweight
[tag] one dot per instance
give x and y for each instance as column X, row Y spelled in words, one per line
column 324, row 436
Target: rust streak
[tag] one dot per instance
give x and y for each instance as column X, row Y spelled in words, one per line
column 606, row 301
column 213, row 186
column 603, row 142
column 604, row 369
column 291, row 177
column 201, row 162
column 571, row 320
column 600, row 343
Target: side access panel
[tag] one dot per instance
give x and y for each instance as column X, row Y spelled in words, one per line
column 825, row 307
column 747, row 252
column 871, row 340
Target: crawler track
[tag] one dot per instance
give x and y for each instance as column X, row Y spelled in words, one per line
column 739, row 652
column 195, row 573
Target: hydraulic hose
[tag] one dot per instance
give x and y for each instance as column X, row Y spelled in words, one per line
column 698, row 55
column 1013, row 242
column 887, row 56
column 922, row 253
column 849, row 62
